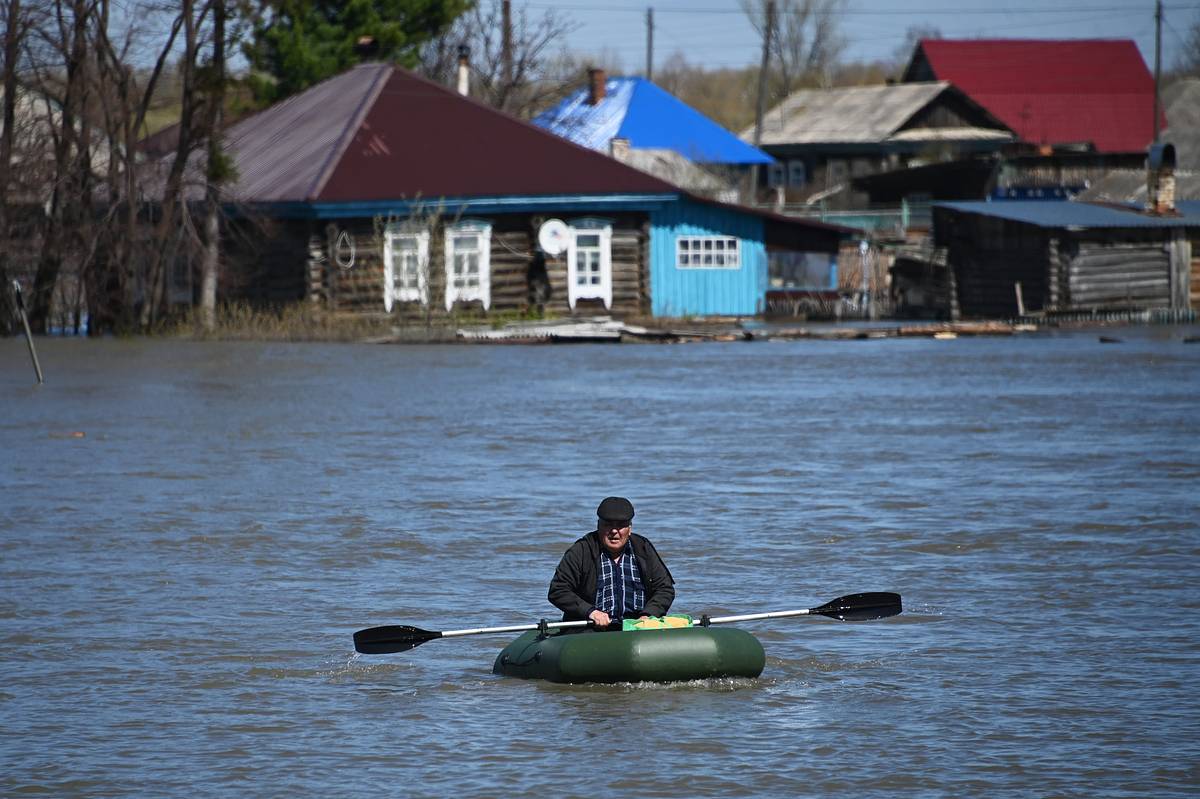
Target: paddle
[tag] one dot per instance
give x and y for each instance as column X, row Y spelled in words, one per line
column 401, row 637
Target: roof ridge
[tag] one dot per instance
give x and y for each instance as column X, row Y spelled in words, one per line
column 351, row 127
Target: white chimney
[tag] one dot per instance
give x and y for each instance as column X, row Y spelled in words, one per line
column 618, row 148
column 464, row 70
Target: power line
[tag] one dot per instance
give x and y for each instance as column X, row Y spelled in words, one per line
column 957, row 12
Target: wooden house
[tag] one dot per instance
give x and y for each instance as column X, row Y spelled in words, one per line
column 824, row 138
column 1026, row 256
column 380, row 192
column 1086, row 93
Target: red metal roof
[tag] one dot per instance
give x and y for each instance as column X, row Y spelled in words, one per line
column 1052, row 91
column 420, row 139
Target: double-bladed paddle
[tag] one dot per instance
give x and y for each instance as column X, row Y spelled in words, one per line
column 402, row 637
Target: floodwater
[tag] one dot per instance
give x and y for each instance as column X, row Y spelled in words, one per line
column 190, row 533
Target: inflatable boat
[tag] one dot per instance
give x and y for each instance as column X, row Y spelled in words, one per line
column 632, row 655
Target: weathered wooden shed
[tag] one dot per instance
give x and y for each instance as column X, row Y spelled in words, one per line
column 1063, row 256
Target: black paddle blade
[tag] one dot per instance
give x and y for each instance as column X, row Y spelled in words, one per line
column 861, row 607
column 391, row 638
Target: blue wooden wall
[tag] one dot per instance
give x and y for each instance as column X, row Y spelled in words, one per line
column 706, row 292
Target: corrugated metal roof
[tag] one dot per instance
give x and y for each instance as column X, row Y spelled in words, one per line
column 1053, row 91
column 1066, row 213
column 283, row 152
column 378, row 135
column 649, row 117
column 856, row 114
column 420, row 139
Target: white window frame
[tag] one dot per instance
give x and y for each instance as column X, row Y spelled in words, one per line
column 483, row 291
column 689, row 249
column 391, row 294
column 603, row 289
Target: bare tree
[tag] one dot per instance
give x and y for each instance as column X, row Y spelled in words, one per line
column 521, row 80
column 149, row 33
column 217, row 170
column 64, row 38
column 1188, row 63
column 805, row 44
column 16, row 22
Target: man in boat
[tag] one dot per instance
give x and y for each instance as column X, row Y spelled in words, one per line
column 612, row 573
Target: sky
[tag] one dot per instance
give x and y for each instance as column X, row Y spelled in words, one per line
column 716, row 33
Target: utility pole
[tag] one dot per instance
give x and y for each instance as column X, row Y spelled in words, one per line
column 649, row 44
column 1157, row 63
column 762, row 89
column 506, row 64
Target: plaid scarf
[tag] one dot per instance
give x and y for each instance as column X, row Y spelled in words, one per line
column 619, row 589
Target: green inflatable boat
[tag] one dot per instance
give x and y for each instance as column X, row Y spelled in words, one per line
column 667, row 654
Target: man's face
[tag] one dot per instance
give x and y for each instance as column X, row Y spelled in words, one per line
column 614, row 535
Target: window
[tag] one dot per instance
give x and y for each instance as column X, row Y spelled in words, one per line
column 405, row 267
column 797, row 173
column 468, row 263
column 589, row 262
column 707, row 252
column 774, row 175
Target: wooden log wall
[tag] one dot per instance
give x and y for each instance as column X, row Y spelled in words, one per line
column 354, row 266
column 1118, row 275
column 358, row 288
column 630, row 272
column 989, row 257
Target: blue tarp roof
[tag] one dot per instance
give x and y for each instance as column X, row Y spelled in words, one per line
column 1068, row 213
column 650, row 118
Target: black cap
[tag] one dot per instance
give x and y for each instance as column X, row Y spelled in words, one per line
column 615, row 509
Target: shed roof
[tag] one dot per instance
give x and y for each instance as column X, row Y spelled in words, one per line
column 1066, row 213
column 861, row 114
column 1050, row 91
column 650, row 118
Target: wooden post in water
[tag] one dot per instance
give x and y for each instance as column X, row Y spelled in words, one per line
column 37, row 367
column 1020, row 300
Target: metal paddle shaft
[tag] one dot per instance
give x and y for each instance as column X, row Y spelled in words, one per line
column 854, row 607
column 401, row 637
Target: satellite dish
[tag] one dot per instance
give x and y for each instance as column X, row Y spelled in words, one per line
column 552, row 236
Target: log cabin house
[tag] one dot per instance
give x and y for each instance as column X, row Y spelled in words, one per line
column 380, row 192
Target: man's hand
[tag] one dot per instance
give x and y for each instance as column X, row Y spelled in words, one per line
column 600, row 618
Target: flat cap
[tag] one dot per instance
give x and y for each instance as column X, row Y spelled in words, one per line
column 615, row 509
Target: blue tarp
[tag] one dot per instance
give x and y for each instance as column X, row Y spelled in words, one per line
column 650, row 118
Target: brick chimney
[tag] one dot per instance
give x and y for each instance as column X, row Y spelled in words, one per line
column 1160, row 180
column 597, row 84
column 464, row 70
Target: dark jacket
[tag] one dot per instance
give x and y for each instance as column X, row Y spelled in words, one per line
column 573, row 589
